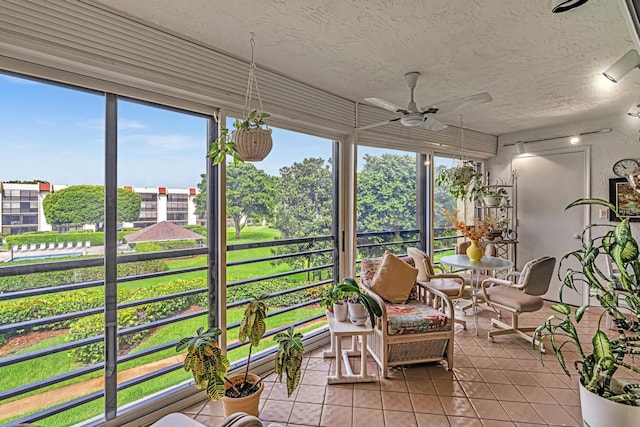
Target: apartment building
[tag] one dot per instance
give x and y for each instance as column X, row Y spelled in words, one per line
column 21, row 207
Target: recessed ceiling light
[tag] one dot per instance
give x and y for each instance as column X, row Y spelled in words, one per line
column 574, row 140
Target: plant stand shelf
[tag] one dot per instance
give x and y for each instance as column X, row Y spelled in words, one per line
column 347, row 329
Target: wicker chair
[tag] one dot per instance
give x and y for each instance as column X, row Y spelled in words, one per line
column 414, row 332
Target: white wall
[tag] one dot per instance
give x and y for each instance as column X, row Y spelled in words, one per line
column 606, row 148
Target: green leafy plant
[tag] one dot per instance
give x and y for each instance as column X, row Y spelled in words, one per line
column 331, row 294
column 289, row 358
column 609, row 356
column 210, row 370
column 357, row 294
column 206, row 361
column 463, row 180
column 225, row 144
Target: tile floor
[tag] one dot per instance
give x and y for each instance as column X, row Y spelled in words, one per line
column 492, row 384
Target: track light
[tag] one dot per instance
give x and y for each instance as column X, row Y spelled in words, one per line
column 628, row 62
column 520, row 147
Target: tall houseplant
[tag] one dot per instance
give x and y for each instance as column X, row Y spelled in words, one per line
column 606, row 358
column 241, row 392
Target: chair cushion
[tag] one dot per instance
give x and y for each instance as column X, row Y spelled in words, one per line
column 415, row 317
column 514, row 298
column 449, row 287
column 394, row 279
column 369, row 266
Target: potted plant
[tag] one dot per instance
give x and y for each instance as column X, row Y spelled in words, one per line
column 241, row 392
column 360, row 304
column 605, row 399
column 249, row 142
column 335, row 301
column 495, row 196
column 463, row 180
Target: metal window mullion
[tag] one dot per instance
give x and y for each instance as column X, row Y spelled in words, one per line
column 110, row 257
column 423, row 202
column 335, row 223
column 212, row 230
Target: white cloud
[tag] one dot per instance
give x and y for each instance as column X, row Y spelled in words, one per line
column 164, row 142
column 98, row 123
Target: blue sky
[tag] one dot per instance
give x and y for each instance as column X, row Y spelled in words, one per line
column 56, row 134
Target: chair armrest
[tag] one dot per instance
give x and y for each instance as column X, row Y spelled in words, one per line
column 441, row 296
column 487, row 283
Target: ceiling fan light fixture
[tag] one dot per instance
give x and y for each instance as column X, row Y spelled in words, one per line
column 413, row 119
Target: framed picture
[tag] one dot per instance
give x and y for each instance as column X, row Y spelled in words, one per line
column 625, row 199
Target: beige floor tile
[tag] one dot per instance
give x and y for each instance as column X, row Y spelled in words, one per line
column 519, row 377
column 467, row 374
column 477, row 390
column 371, row 399
column 396, row 418
column 494, row 376
column 336, row 415
column 194, row 409
column 426, row 403
column 310, row 394
column 276, row 410
column 429, row 420
column 506, row 392
column 395, row 401
column 314, row 378
column 338, row 396
column 484, row 362
column 209, row 420
column 364, row 417
column 522, row 412
column 489, row 409
column 457, row 407
column 448, row 388
column 535, row 394
column 424, row 386
column 307, row 414
column 496, row 423
column 212, row 408
column 555, row 415
column 464, row 422
column 416, row 371
column 393, row 384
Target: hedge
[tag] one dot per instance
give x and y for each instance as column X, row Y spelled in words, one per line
column 239, row 293
column 134, row 316
column 95, row 237
column 55, row 278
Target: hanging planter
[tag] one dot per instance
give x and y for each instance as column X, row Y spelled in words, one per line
column 251, row 140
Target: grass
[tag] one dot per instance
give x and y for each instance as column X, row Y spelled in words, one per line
column 58, row 363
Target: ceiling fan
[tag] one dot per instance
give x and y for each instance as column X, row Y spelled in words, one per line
column 424, row 117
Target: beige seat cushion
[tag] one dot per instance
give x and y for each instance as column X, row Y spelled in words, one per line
column 513, row 298
column 394, row 279
column 449, row 287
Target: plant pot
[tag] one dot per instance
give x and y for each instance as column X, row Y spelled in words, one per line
column 253, row 145
column 475, row 252
column 491, row 201
column 600, row 412
column 341, row 312
column 248, row 404
column 357, row 313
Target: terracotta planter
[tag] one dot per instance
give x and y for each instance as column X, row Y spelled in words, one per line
column 600, row 412
column 249, row 404
column 253, row 145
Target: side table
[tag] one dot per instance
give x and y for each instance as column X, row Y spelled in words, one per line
column 348, row 329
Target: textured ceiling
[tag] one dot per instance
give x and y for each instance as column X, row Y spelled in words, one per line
column 541, row 68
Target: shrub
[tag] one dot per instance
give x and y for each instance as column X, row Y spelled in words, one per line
column 55, row 278
column 95, row 237
column 239, row 293
column 134, row 316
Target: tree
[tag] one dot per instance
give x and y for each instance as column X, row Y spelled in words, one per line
column 305, row 206
column 386, row 195
column 251, row 194
column 84, row 204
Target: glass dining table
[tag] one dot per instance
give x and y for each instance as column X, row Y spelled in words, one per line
column 486, row 263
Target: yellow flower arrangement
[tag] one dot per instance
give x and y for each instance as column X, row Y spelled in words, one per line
column 476, row 231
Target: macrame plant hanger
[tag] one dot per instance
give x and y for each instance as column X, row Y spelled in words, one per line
column 253, row 140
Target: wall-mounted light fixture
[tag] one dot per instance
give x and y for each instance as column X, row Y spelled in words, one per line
column 427, row 161
column 573, row 139
column 628, row 62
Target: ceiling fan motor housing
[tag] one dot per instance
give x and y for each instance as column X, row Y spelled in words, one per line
column 412, row 119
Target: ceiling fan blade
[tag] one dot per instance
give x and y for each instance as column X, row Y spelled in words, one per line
column 461, row 103
column 375, row 125
column 383, row 103
column 433, row 124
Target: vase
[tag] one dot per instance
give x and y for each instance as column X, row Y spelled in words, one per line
column 475, row 251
